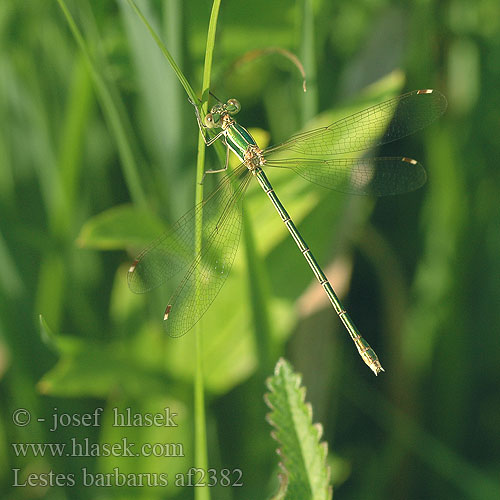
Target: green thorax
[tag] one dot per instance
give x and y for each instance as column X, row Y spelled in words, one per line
column 238, row 139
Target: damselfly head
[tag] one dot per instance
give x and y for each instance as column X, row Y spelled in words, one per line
column 220, row 112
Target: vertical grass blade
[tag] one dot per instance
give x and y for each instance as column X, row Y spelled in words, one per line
column 182, row 79
column 201, row 459
column 115, row 119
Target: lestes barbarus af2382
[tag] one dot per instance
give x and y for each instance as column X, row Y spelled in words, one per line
column 316, row 155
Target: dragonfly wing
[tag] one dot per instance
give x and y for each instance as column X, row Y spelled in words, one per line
column 367, row 176
column 210, row 269
column 379, row 124
column 174, row 250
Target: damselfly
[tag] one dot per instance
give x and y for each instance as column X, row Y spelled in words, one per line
column 316, row 155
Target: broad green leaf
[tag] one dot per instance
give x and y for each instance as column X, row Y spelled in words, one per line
column 96, row 368
column 305, row 474
column 120, row 227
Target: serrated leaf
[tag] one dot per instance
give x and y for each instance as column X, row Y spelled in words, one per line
column 305, row 474
column 120, row 227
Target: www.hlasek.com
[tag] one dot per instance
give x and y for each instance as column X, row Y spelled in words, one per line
column 193, row 477
column 87, row 448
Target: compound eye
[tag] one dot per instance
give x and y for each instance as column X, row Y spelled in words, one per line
column 233, row 106
column 209, row 121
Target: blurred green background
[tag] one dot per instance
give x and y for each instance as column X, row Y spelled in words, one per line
column 92, row 169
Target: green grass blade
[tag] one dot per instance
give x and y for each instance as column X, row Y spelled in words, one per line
column 115, row 118
column 69, row 160
column 259, row 297
column 201, row 459
column 305, row 473
column 161, row 97
column 11, row 281
column 189, row 90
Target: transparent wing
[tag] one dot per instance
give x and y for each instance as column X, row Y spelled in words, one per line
column 367, row 176
column 174, row 250
column 210, row 268
column 374, row 126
